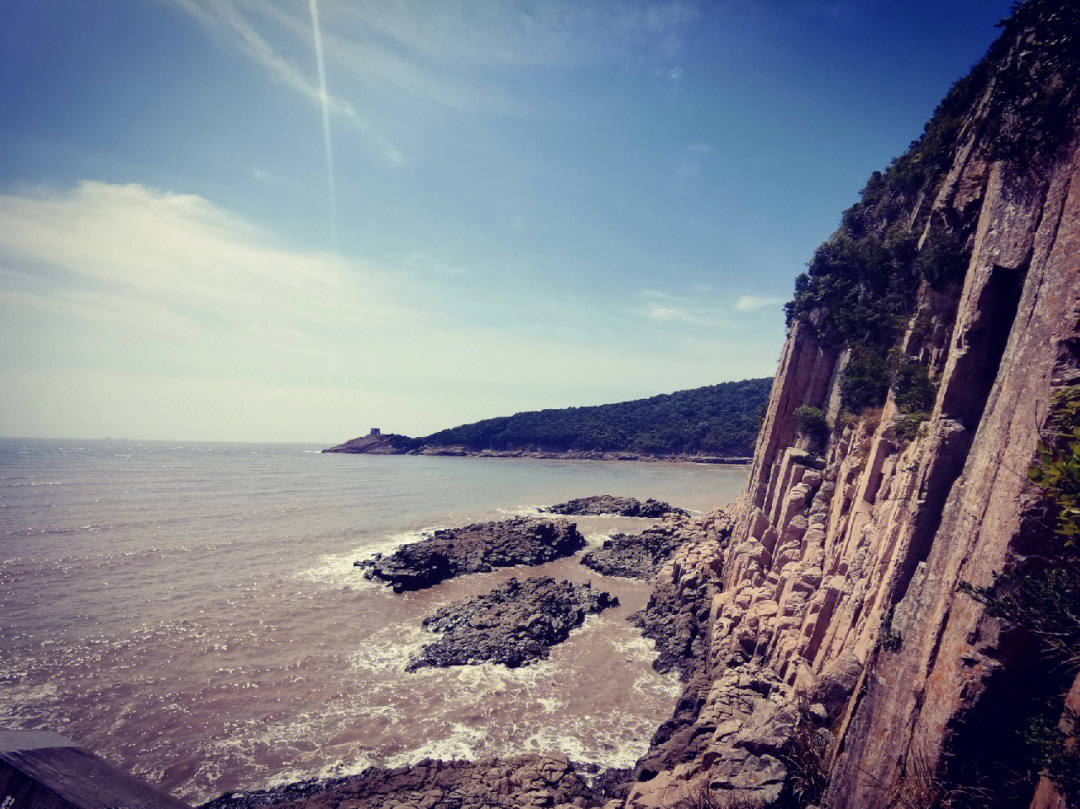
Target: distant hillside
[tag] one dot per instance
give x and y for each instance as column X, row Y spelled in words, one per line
column 717, row 420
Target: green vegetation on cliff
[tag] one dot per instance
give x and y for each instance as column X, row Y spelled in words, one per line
column 716, row 420
column 860, row 286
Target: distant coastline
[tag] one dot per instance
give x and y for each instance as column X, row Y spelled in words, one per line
column 716, row 424
column 392, row 444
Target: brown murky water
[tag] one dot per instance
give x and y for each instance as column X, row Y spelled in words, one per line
column 192, row 614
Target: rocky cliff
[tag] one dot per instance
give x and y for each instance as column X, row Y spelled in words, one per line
column 841, row 663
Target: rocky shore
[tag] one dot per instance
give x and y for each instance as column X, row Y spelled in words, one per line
column 393, row 444
column 632, row 556
column 515, row 624
column 477, row 548
column 619, row 506
column 524, row 782
column 832, row 652
column 677, row 615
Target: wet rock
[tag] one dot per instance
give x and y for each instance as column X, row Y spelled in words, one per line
column 512, row 783
column 634, row 556
column 477, row 548
column 622, row 506
column 515, row 624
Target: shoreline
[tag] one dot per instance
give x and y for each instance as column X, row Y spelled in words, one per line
column 540, row 455
column 473, row 783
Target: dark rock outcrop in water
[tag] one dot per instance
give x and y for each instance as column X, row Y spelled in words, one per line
column 526, row 781
column 622, row 506
column 515, row 624
column 640, row 556
column 633, row 556
column 477, row 548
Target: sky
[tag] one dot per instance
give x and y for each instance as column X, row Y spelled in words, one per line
column 493, row 206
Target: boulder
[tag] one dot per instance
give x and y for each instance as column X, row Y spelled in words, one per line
column 515, row 624
column 475, row 548
column 621, row 506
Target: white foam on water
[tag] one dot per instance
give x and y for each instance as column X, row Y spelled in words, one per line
column 551, row 704
column 390, row 648
column 339, row 570
column 636, row 647
column 659, row 686
column 339, row 768
column 583, row 740
column 597, row 539
column 521, row 511
column 463, row 742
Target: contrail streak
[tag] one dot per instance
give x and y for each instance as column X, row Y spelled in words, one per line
column 325, row 99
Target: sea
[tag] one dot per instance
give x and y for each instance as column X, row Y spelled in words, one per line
column 191, row 612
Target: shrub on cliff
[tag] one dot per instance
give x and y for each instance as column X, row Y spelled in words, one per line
column 857, row 289
column 908, row 426
column 911, row 385
column 865, row 381
column 811, row 424
column 943, row 259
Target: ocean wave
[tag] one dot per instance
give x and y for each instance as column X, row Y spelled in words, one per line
column 389, row 649
column 339, row 570
column 597, row 539
column 463, row 742
column 524, row 510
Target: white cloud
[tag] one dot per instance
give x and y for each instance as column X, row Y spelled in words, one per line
column 175, row 248
column 748, row 303
column 127, row 310
column 662, row 314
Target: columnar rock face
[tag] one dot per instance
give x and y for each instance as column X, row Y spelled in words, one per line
column 836, row 598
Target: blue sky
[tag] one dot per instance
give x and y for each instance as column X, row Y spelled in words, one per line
column 535, row 204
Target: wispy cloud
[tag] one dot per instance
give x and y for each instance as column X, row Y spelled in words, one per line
column 748, row 303
column 509, row 32
column 450, row 52
column 663, row 307
column 155, row 243
column 227, row 16
column 434, row 265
